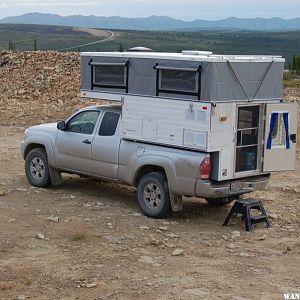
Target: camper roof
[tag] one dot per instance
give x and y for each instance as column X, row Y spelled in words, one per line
column 190, row 56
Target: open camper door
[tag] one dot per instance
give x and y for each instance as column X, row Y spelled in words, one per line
column 280, row 137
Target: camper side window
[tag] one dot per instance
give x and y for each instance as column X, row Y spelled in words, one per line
column 110, row 75
column 179, row 81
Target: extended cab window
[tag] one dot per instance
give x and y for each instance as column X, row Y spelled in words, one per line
column 84, row 122
column 109, row 124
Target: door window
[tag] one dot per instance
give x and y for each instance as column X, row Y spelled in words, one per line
column 109, row 124
column 84, row 122
column 279, row 130
column 247, row 138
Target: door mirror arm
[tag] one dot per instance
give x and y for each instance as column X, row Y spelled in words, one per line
column 61, row 125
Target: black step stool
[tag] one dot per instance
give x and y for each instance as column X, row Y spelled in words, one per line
column 244, row 207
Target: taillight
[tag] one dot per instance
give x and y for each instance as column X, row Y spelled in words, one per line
column 205, row 168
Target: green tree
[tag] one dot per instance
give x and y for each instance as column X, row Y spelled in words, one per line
column 297, row 64
column 35, row 45
column 294, row 64
column 11, row 46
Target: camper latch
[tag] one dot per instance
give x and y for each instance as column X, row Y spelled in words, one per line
column 191, row 107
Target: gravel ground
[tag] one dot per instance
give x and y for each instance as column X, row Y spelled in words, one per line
column 101, row 247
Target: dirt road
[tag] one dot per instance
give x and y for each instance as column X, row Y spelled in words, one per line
column 101, row 247
column 106, row 36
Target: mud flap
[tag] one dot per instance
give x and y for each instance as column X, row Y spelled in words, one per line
column 176, row 202
column 55, row 176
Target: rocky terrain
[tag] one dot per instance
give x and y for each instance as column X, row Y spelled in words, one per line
column 38, row 87
column 88, row 240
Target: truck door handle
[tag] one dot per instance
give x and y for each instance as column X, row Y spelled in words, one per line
column 87, row 142
column 293, row 138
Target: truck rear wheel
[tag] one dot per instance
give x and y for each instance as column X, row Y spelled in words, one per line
column 37, row 169
column 153, row 195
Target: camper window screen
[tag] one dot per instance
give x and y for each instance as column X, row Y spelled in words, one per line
column 179, row 81
column 114, row 76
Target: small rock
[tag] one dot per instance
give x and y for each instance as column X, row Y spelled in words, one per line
column 142, row 227
column 171, row 235
column 91, row 285
column 166, row 223
column 206, row 243
column 297, row 190
column 2, row 193
column 286, row 188
column 177, row 252
column 40, row 236
column 135, row 215
column 230, row 246
column 273, row 216
column 156, row 242
column 54, row 219
column 163, row 228
column 244, row 254
column 288, row 248
column 224, row 237
column 11, row 220
column 149, row 260
column 236, row 233
column 22, row 92
column 21, row 297
column 262, row 238
column 198, row 292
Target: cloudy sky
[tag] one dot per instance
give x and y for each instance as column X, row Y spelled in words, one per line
column 182, row 9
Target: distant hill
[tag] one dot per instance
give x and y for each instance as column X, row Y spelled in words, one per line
column 156, row 22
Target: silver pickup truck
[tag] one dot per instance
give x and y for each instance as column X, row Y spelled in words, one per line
column 89, row 143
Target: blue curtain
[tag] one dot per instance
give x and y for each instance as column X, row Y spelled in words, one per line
column 274, row 118
column 287, row 130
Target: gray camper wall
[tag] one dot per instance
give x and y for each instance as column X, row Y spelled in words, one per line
column 220, row 81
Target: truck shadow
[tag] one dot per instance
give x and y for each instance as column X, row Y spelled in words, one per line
column 120, row 196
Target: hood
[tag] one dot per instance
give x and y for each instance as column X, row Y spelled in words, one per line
column 48, row 127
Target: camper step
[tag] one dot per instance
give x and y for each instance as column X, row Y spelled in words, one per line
column 244, row 208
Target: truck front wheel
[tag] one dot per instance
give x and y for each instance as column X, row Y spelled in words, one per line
column 36, row 168
column 153, row 195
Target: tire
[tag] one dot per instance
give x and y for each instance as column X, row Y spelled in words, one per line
column 153, row 195
column 220, row 201
column 37, row 168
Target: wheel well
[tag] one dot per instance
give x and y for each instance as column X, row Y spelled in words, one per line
column 32, row 146
column 147, row 169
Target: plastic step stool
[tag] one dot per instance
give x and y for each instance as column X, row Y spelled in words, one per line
column 244, row 208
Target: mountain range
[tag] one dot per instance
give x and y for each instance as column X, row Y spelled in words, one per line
column 156, row 22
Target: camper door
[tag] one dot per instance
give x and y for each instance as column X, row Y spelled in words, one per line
column 280, row 137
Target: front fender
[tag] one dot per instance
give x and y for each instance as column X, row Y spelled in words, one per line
column 42, row 141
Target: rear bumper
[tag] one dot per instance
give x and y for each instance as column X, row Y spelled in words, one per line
column 214, row 189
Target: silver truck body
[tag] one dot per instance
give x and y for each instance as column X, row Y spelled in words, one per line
column 113, row 158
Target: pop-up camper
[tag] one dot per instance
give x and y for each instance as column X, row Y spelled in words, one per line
column 229, row 106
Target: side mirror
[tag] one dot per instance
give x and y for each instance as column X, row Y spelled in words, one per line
column 61, row 125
